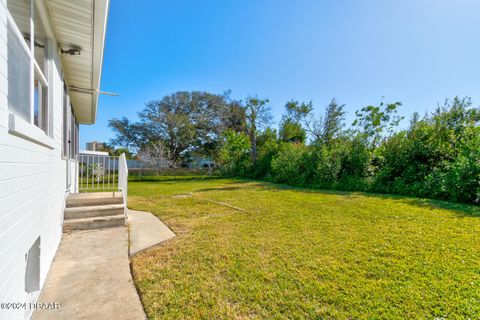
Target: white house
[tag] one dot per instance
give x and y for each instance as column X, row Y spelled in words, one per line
column 51, row 55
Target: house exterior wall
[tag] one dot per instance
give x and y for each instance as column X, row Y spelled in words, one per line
column 33, row 185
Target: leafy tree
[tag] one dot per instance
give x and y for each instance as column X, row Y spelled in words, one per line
column 299, row 115
column 257, row 116
column 291, row 127
column 291, row 131
column 118, row 151
column 170, row 121
column 234, row 150
column 266, row 136
column 298, row 111
column 333, row 123
column 128, row 134
column 186, row 123
column 112, row 151
column 377, row 121
column 437, row 156
column 267, row 144
column 287, row 164
column 231, row 116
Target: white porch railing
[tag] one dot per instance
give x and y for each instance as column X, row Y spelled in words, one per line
column 123, row 179
column 103, row 173
column 97, row 173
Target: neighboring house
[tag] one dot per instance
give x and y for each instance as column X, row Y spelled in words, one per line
column 51, row 55
column 201, row 163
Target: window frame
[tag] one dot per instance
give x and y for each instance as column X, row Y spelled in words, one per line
column 45, row 120
column 65, row 125
column 72, row 152
column 70, row 128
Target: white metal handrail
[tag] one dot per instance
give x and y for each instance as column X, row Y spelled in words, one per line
column 103, row 172
column 123, row 179
column 97, row 172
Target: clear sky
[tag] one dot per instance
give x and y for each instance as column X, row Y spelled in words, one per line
column 418, row 52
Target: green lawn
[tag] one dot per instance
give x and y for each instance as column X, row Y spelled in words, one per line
column 254, row 250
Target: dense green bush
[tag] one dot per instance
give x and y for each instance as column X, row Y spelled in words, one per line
column 234, row 153
column 437, row 156
column 287, row 165
column 268, row 147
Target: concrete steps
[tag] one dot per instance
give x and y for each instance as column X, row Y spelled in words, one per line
column 94, row 198
column 86, row 211
column 93, row 211
column 93, row 223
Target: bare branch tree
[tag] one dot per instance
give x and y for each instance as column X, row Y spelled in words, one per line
column 156, row 157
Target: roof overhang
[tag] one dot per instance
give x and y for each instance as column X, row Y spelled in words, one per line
column 81, row 24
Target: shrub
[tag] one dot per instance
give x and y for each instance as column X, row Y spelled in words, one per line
column 438, row 156
column 287, row 164
column 234, row 153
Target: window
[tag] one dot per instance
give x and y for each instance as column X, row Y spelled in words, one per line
column 27, row 63
column 66, row 105
column 70, row 129
column 73, row 135
column 77, row 139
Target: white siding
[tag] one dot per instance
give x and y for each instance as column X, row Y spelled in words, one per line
column 32, row 189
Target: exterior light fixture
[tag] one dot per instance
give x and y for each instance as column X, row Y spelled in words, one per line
column 71, row 51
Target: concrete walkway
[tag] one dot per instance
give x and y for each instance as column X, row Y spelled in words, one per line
column 146, row 231
column 90, row 278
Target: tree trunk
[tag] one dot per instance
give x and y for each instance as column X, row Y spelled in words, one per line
column 253, row 138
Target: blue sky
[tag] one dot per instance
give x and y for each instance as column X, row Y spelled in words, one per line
column 418, row 52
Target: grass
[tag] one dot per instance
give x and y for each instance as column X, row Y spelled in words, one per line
column 254, row 250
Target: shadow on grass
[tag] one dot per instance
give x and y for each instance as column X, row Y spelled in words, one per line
column 462, row 209
column 470, row 210
column 219, row 189
column 171, row 179
column 459, row 208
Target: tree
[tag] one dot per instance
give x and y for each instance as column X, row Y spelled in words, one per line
column 186, row 123
column 298, row 112
column 291, row 128
column 257, row 116
column 299, row 115
column 333, row 122
column 374, row 122
column 98, row 172
column 112, row 151
column 169, row 121
column 128, row 134
column 155, row 156
column 267, row 147
column 118, row 151
column 291, row 131
column 231, row 116
column 235, row 147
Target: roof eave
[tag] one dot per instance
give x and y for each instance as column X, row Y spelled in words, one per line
column 99, row 32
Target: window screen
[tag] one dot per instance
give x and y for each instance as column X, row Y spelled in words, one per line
column 27, row 88
column 65, row 122
column 73, row 138
column 18, row 74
